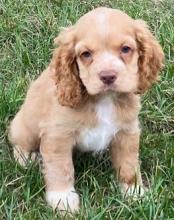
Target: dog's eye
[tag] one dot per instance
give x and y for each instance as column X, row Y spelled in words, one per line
column 125, row 49
column 86, row 54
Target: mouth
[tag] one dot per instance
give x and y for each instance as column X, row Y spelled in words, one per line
column 108, row 88
column 103, row 89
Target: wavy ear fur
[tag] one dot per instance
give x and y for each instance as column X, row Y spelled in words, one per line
column 151, row 56
column 69, row 86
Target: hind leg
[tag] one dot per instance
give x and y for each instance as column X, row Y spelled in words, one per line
column 23, row 139
column 22, row 156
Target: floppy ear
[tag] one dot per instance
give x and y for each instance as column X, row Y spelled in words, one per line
column 151, row 56
column 69, row 86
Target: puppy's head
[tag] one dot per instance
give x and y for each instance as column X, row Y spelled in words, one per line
column 106, row 51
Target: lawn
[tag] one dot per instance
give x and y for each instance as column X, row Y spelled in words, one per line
column 27, row 30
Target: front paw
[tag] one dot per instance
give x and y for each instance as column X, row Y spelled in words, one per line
column 133, row 191
column 67, row 200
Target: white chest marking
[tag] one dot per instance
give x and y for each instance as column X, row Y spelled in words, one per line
column 99, row 137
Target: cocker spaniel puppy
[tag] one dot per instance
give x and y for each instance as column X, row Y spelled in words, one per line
column 88, row 98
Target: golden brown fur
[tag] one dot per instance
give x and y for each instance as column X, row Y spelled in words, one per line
column 67, row 105
column 151, row 56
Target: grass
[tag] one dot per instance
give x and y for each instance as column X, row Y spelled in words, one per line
column 27, row 31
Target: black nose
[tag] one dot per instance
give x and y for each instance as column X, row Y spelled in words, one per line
column 107, row 77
